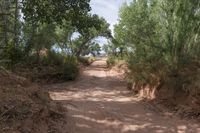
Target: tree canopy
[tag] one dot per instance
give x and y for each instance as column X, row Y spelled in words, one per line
column 159, row 36
column 28, row 27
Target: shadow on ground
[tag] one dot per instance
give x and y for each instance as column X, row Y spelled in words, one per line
column 98, row 102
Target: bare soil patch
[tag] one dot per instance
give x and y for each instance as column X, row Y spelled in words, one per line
column 100, row 103
column 27, row 108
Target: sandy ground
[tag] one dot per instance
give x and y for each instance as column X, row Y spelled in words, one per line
column 98, row 102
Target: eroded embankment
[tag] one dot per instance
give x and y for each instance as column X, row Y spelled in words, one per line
column 179, row 92
column 27, row 108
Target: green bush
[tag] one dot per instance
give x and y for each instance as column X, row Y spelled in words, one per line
column 56, row 66
column 12, row 55
column 54, row 58
column 111, row 61
column 69, row 69
column 160, row 47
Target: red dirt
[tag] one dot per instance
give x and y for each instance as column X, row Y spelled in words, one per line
column 98, row 102
column 26, row 108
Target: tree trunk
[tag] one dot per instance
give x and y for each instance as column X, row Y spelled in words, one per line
column 80, row 49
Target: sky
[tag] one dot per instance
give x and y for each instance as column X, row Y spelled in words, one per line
column 109, row 10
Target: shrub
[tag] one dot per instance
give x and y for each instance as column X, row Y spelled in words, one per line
column 111, row 61
column 53, row 58
column 53, row 66
column 12, row 55
column 69, row 69
column 162, row 39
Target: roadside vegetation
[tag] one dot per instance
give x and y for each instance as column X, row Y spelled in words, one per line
column 54, row 38
column 159, row 39
column 42, row 42
column 48, row 41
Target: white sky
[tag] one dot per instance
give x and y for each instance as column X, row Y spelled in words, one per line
column 109, row 10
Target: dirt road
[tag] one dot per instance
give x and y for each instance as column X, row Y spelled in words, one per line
column 100, row 103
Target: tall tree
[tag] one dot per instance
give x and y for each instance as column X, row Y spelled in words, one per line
column 58, row 12
column 159, row 33
column 93, row 26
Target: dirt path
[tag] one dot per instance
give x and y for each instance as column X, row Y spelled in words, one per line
column 100, row 103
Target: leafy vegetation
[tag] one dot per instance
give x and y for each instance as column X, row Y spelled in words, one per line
column 160, row 39
column 48, row 40
column 49, row 32
column 111, row 61
column 42, row 41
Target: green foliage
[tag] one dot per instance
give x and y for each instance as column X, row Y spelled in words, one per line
column 49, row 24
column 44, row 39
column 53, row 58
column 93, row 26
column 111, row 61
column 160, row 37
column 64, row 66
column 70, row 68
column 51, row 11
column 12, row 54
